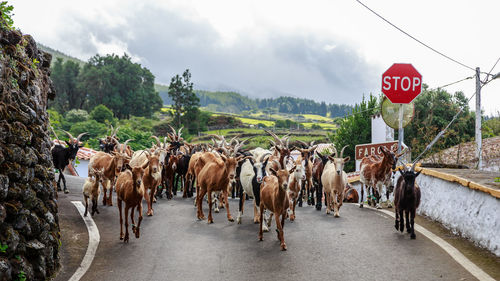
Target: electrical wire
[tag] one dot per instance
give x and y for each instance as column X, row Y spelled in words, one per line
column 409, row 35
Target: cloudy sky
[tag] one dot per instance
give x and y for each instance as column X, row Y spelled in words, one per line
column 333, row 51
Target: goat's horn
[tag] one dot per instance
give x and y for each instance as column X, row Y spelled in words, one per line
column 54, row 132
column 165, row 142
column 413, row 167
column 215, row 136
column 274, row 136
column 234, row 139
column 287, row 141
column 115, row 132
column 304, row 145
column 71, row 138
column 179, row 133
column 342, row 151
column 157, row 140
column 172, row 129
column 125, row 145
column 79, row 136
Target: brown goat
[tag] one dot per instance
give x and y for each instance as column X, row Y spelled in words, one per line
column 295, row 185
column 112, row 165
column 129, row 190
column 350, row 194
column 274, row 197
column 151, row 180
column 215, row 176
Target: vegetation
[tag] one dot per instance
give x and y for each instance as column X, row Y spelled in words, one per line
column 491, row 127
column 355, row 129
column 6, row 12
column 124, row 87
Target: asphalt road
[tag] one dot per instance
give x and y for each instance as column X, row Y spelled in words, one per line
column 360, row 245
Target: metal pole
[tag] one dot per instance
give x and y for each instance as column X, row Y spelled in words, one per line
column 478, row 120
column 401, row 131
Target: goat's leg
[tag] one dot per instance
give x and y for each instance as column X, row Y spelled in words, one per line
column 121, row 218
column 225, row 195
column 240, row 211
column 138, row 228
column 199, row 199
column 319, row 196
column 104, row 193
column 261, row 207
column 94, row 205
column 362, row 195
column 132, row 218
column 294, row 202
column 176, row 181
column 301, row 194
column 151, row 197
column 408, row 225
column 311, row 190
column 147, row 197
column 64, row 182
column 281, row 235
column 401, row 221
column 209, row 195
column 396, row 221
column 86, row 199
column 412, row 222
column 110, row 198
column 328, row 203
column 125, row 239
column 59, row 181
column 184, row 187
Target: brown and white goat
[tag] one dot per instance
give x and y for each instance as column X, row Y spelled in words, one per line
column 407, row 200
column 215, row 176
column 91, row 190
column 274, row 197
column 295, row 184
column 129, row 190
column 374, row 172
column 334, row 180
column 112, row 165
column 307, row 182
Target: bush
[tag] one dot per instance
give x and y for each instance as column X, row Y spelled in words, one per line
column 316, row 127
column 102, row 114
column 91, row 127
column 77, row 115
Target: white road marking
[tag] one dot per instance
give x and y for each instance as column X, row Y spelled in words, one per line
column 452, row 251
column 94, row 238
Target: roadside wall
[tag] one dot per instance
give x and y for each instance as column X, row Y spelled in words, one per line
column 470, row 213
column 29, row 225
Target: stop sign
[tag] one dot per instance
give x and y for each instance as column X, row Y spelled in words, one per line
column 401, row 83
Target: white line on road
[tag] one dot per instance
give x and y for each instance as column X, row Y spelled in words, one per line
column 94, row 238
column 452, row 251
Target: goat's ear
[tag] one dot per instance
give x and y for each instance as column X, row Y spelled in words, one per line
column 127, row 166
column 418, row 173
column 251, row 161
column 292, row 169
column 273, row 171
column 224, row 158
column 401, row 171
column 347, row 159
column 331, row 158
column 144, row 166
column 265, row 162
column 67, row 143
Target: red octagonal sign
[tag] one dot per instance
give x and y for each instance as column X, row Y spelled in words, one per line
column 401, row 83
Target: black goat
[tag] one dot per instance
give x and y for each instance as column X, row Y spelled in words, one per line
column 407, row 199
column 62, row 156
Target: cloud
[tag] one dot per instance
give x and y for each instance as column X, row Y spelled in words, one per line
column 261, row 62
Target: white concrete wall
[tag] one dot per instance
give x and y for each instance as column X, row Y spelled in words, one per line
column 470, row 213
column 380, row 131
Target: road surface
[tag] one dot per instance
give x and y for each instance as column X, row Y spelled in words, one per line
column 360, row 245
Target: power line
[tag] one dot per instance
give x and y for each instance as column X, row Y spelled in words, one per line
column 409, row 35
column 453, row 83
column 489, row 73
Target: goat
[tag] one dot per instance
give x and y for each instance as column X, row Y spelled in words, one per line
column 113, row 164
column 151, row 180
column 307, row 182
column 334, row 180
column 317, row 171
column 274, row 197
column 214, row 176
column 295, row 184
column 350, row 194
column 91, row 190
column 375, row 172
column 129, row 190
column 251, row 177
column 62, row 156
column 407, row 199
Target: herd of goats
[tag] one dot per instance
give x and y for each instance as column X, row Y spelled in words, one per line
column 276, row 181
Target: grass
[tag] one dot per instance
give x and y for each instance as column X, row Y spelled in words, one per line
column 255, row 121
column 324, row 126
column 317, row 117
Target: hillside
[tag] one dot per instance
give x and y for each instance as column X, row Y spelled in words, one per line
column 57, row 54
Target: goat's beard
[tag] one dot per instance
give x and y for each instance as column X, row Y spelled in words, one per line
column 156, row 176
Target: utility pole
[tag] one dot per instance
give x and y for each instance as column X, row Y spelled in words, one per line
column 478, row 120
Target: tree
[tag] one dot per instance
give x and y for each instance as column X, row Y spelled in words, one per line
column 64, row 76
column 102, row 114
column 185, row 101
column 77, row 115
column 355, row 129
column 121, row 85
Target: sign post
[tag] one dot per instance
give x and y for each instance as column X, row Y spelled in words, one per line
column 401, row 83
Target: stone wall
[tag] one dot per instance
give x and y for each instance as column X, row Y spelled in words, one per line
column 29, row 227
